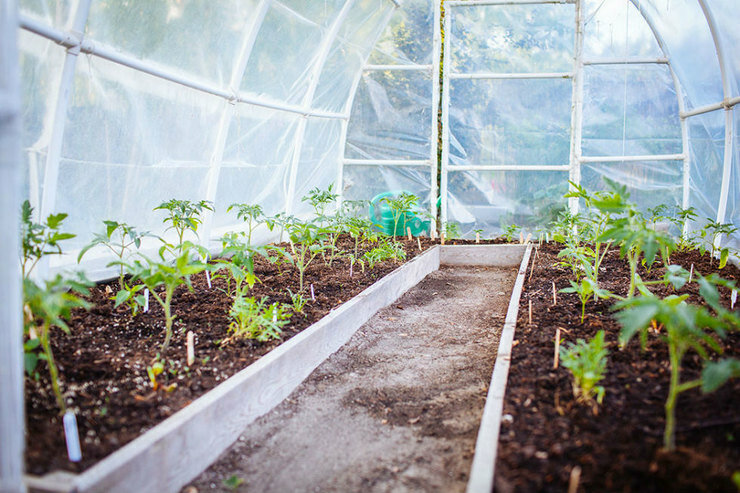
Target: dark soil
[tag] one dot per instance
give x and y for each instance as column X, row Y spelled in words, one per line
column 545, row 434
column 103, row 361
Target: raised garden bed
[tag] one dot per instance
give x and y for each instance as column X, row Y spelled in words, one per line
column 547, row 440
column 175, row 450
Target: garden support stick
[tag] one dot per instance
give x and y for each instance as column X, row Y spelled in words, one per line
column 530, row 312
column 72, row 437
column 531, row 269
column 408, row 232
column 554, row 294
column 442, row 237
column 521, row 238
column 418, row 242
column 313, row 296
column 575, row 478
column 191, row 348
column 477, row 237
column 556, row 356
column 691, row 273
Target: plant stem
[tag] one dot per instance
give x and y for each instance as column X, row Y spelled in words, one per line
column 669, row 435
column 168, row 318
column 53, row 372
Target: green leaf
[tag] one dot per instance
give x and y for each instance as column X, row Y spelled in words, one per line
column 724, row 256
column 715, row 374
column 30, row 360
column 122, row 297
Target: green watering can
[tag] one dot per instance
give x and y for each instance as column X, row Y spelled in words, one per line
column 382, row 217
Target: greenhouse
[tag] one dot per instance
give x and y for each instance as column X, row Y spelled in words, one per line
column 202, row 132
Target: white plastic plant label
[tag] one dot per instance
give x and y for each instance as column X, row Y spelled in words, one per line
column 313, row 297
column 733, row 299
column 72, row 437
column 208, row 279
column 146, row 300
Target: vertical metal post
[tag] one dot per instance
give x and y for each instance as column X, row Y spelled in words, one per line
column 11, row 349
column 51, row 172
column 576, row 120
column 433, row 156
column 445, row 116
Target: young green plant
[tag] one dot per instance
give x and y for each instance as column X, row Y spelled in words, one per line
column 587, row 364
column 39, row 240
column 46, row 306
column 170, row 275
column 118, row 238
column 401, row 207
column 253, row 319
column 251, row 214
column 184, row 216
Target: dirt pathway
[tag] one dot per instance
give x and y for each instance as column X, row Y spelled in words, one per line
column 395, row 409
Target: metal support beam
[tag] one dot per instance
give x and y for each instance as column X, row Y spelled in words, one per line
column 445, row 157
column 631, row 159
column 576, row 116
column 493, row 75
column 11, row 327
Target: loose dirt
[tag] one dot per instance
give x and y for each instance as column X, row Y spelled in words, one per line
column 396, row 409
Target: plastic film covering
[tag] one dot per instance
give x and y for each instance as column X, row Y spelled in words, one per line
column 649, row 183
column 510, row 122
column 121, row 159
column 733, row 202
column 726, row 15
column 131, row 140
column 630, row 110
column 393, row 110
column 56, row 13
column 492, row 200
column 688, row 40
column 707, row 146
column 615, row 29
column 512, row 38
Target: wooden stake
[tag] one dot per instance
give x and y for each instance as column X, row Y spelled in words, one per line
column 530, row 312
column 575, row 478
column 556, row 356
column 442, row 237
column 554, row 294
column 477, row 237
column 418, row 242
column 521, row 237
column 529, row 237
column 191, row 348
column 408, row 231
column 432, row 233
column 531, row 269
column 351, row 264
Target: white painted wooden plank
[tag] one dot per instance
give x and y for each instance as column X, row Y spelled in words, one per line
column 482, row 255
column 483, row 468
column 169, row 455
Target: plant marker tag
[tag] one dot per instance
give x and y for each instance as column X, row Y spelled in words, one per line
column 733, row 299
column 146, row 300
column 556, row 356
column 554, row 294
column 313, row 297
column 477, row 237
column 529, row 237
column 432, row 233
column 521, row 238
column 208, row 279
column 351, row 265
column 442, row 237
column 274, row 316
column 575, row 478
column 72, row 437
column 530, row 312
column 191, row 348
column 547, row 237
column 408, row 231
column 691, row 273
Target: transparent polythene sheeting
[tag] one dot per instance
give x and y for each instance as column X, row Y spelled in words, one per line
column 615, row 29
column 57, row 13
column 726, row 15
column 366, row 182
column 684, row 28
column 131, row 141
column 706, row 144
column 733, row 202
column 492, row 200
column 159, row 31
column 408, row 38
column 510, row 122
column 40, row 65
column 391, row 116
column 630, row 110
column 512, row 38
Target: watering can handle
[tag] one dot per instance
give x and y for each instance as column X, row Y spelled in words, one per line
column 375, row 201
